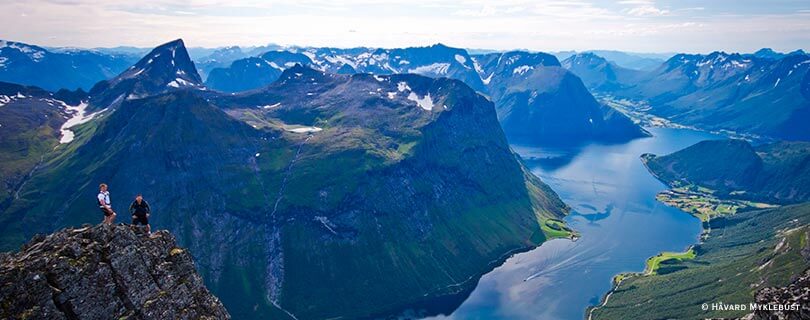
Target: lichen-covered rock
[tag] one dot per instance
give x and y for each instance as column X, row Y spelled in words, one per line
column 794, row 300
column 104, row 272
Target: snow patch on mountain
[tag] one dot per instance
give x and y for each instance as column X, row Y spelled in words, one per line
column 305, row 129
column 179, row 82
column 460, row 58
column 31, row 52
column 340, row 60
column 522, row 69
column 78, row 117
column 433, row 68
column 402, row 86
column 6, row 99
column 424, row 102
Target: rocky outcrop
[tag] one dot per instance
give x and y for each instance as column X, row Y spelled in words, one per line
column 790, row 302
column 103, row 272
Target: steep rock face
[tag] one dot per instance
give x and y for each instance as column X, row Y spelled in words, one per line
column 321, row 195
column 166, row 68
column 104, row 272
column 550, row 105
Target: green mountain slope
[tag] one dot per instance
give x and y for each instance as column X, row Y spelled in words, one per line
column 753, row 250
column 319, row 196
column 30, row 123
column 774, row 173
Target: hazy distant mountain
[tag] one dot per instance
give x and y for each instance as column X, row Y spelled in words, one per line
column 255, row 72
column 599, row 74
column 510, row 79
column 628, row 60
column 53, row 70
column 293, row 196
column 632, row 60
column 539, row 101
column 734, row 92
column 765, row 93
column 768, row 53
column 218, row 58
column 206, row 59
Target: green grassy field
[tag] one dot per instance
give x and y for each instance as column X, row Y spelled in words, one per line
column 654, row 263
column 702, row 202
column 556, row 228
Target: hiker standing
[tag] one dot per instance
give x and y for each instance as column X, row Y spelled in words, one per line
column 139, row 209
column 105, row 205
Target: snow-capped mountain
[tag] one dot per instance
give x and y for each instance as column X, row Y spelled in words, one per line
column 536, row 76
column 539, row 101
column 165, row 68
column 255, row 72
column 433, row 61
column 764, row 93
column 56, row 69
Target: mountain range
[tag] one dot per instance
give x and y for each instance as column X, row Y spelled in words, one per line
column 320, row 195
column 537, row 100
column 53, row 70
column 765, row 93
column 627, row 60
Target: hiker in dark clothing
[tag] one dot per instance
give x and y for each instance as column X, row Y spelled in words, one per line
column 140, row 212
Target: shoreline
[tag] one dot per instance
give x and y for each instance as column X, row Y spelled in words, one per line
column 433, row 305
column 624, row 275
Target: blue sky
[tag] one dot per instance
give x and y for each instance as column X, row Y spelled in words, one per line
column 547, row 25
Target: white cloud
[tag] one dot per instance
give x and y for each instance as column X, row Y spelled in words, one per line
column 647, row 11
column 637, row 25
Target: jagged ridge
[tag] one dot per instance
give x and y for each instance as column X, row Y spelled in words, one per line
column 104, row 272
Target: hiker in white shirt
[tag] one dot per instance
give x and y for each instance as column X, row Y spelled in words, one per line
column 105, row 205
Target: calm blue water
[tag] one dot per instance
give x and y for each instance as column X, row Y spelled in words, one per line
column 614, row 209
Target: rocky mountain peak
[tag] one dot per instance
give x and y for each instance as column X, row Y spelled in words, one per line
column 168, row 67
column 104, row 272
column 169, row 61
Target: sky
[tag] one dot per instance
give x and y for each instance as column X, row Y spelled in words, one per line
column 544, row 25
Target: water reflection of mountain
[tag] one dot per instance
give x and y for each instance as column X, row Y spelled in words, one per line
column 549, row 159
column 595, row 215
